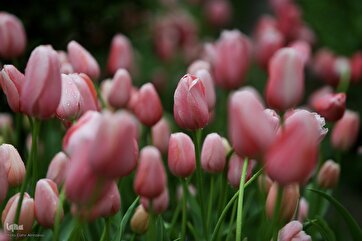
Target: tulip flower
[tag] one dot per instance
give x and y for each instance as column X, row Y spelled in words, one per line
column 148, row 107
column 82, row 61
column 218, row 12
column 213, row 154
column 345, row 132
column 58, row 167
column 198, row 65
column 120, row 55
column 3, row 182
column 181, row 155
column 140, row 220
column 120, row 89
column 328, row 174
column 303, row 209
column 285, row 86
column 11, row 80
column 208, row 83
column 13, row 164
column 65, row 66
column 235, row 168
column 12, row 36
column 161, row 135
column 159, row 204
column 41, row 91
column 356, row 67
column 303, row 49
column 190, row 104
column 46, row 201
column 150, row 180
column 293, row 231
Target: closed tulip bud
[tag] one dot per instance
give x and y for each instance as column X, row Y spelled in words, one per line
column 356, row 67
column 180, row 191
column 161, row 135
column 148, row 107
column 190, row 104
column 14, row 165
column 235, row 168
column 65, row 65
column 329, row 105
column 208, row 83
column 218, row 12
column 345, row 132
column 46, row 201
column 159, row 204
column 181, row 155
column 12, row 36
column 250, row 130
column 120, row 89
column 293, row 231
column 303, row 209
column 6, row 122
column 3, row 182
column 106, row 87
column 150, row 179
column 289, row 201
column 303, row 49
column 26, row 217
column 58, row 167
column 328, row 175
column 114, row 149
column 226, row 145
column 213, row 154
column 120, row 55
column 274, row 118
column 11, row 80
column 285, row 86
column 41, row 91
column 264, row 183
column 139, row 220
column 198, row 65
column 82, row 61
column 324, row 67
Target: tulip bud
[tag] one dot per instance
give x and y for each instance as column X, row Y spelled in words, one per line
column 159, row 204
column 218, row 12
column 328, row 174
column 82, row 61
column 181, row 155
column 120, row 89
column 6, row 122
column 289, row 201
column 190, row 104
column 180, row 191
column 3, row 182
column 58, row 167
column 264, row 183
column 41, row 91
column 13, row 164
column 208, row 83
column 11, row 80
column 150, row 179
column 303, row 209
column 65, row 65
column 235, row 168
column 26, row 217
column 161, row 135
column 198, row 65
column 46, row 202
column 345, row 132
column 293, row 231
column 330, row 106
column 273, row 118
column 324, row 66
column 303, row 49
column 139, row 220
column 356, row 67
column 148, row 107
column 120, row 55
column 213, row 155
column 285, row 85
column 12, row 36
column 250, row 130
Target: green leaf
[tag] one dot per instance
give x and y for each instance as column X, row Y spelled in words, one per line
column 351, row 222
column 322, row 228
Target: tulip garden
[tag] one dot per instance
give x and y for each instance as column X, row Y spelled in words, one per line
column 181, row 120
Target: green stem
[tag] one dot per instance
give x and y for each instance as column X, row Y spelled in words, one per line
column 239, row 217
column 58, row 214
column 184, row 209
column 77, row 230
column 275, row 220
column 344, row 82
column 34, row 147
column 231, row 218
column 211, row 198
column 105, row 230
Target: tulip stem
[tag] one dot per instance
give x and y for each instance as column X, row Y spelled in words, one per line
column 34, row 148
column 58, row 214
column 105, row 230
column 184, row 209
column 344, row 82
column 239, row 217
column 277, row 206
column 211, row 198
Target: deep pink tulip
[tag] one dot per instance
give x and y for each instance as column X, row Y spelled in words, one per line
column 250, row 130
column 159, row 204
column 235, row 168
column 345, row 132
column 190, row 104
column 12, row 36
column 41, row 91
column 289, row 19
column 3, row 182
column 82, row 61
column 11, row 80
column 46, row 201
column 328, row 175
column 218, row 12
column 213, row 154
column 148, row 107
column 293, row 231
column 114, row 149
column 161, row 135
column 120, row 55
column 356, row 67
column 120, row 90
column 13, row 164
column 150, row 180
column 285, row 87
column 58, row 167
column 181, row 155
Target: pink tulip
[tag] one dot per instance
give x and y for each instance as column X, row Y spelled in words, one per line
column 303, row 49
column 140, row 220
column 181, row 155
column 6, row 122
column 82, row 61
column 150, row 180
column 114, row 149
column 120, row 89
column 356, row 67
column 285, row 86
column 13, row 164
column 3, row 182
column 65, row 66
column 235, row 168
column 58, row 167
column 190, row 104
column 345, row 132
column 120, row 55
column 250, row 130
column 11, row 81
column 289, row 19
column 293, row 231
column 218, row 12
column 208, row 83
column 12, row 36
column 303, row 209
column 328, row 175
column 159, row 204
column 41, row 91
column 273, row 118
column 148, row 107
column 4, row 236
column 198, row 65
column 46, row 201
column 26, row 217
column 213, row 154
column 106, row 86
column 161, row 135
